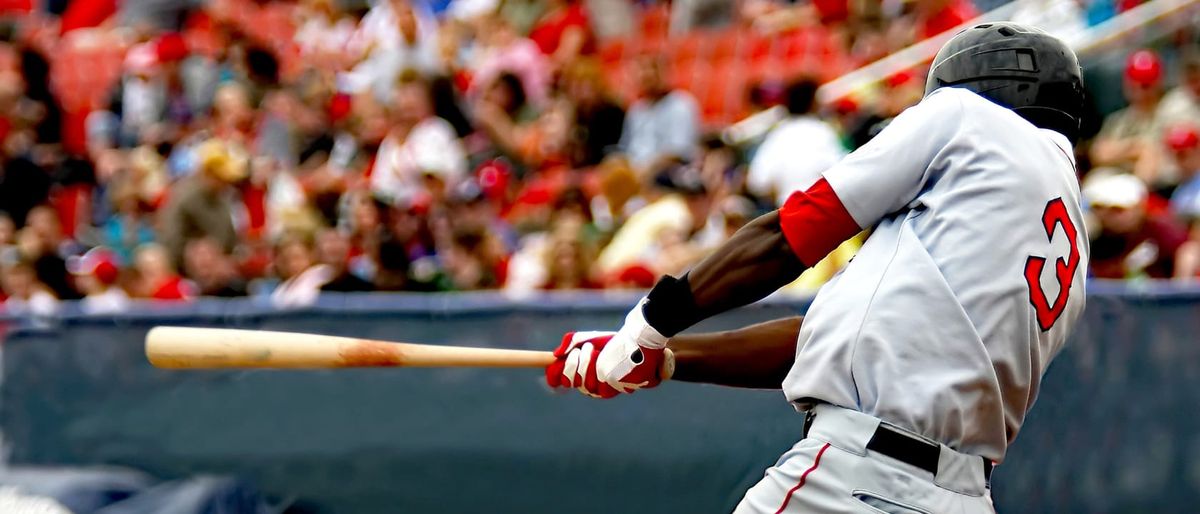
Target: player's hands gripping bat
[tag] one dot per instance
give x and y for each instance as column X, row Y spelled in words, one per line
column 605, row 364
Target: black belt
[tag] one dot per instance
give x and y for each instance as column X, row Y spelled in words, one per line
column 904, row 448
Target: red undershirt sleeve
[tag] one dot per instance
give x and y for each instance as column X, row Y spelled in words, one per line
column 882, row 177
column 815, row 222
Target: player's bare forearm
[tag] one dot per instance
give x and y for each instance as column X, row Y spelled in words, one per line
column 758, row 356
column 756, row 261
column 752, row 264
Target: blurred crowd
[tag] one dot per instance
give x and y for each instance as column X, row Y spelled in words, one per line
column 1142, row 179
column 410, row 145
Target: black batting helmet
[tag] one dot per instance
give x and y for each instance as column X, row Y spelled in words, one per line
column 1022, row 68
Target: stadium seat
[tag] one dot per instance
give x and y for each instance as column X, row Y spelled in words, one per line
column 727, row 44
column 656, row 21
column 612, row 51
column 757, row 46
column 683, row 59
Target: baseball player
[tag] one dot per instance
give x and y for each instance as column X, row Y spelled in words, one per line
column 916, row 365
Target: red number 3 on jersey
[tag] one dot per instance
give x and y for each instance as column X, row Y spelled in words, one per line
column 1047, row 313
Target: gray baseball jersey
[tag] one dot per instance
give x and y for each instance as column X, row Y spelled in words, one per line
column 969, row 284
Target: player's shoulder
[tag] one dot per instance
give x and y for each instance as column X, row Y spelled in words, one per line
column 947, row 97
column 973, row 112
column 959, row 99
column 942, row 108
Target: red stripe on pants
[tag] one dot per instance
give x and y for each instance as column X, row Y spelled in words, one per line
column 816, row 462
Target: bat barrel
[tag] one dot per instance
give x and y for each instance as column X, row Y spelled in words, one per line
column 206, row 348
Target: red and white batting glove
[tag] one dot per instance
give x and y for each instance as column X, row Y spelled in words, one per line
column 576, row 363
column 605, row 364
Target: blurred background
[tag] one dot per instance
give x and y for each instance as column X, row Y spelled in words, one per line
column 496, row 172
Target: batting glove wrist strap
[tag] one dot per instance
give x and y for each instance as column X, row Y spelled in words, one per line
column 670, row 308
column 638, row 329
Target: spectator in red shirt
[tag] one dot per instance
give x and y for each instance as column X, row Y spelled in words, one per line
column 1131, row 242
column 564, row 32
column 157, row 278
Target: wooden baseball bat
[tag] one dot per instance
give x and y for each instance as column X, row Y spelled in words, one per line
column 207, row 348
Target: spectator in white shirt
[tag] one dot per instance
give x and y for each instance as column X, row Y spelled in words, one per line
column 421, row 155
column 663, row 125
column 393, row 37
column 797, row 150
column 325, row 35
column 1182, row 103
column 303, row 276
column 26, row 296
column 142, row 95
column 96, row 274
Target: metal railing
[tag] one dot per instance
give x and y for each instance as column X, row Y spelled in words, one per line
column 1160, row 13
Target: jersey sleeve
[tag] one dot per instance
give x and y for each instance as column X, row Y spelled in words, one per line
column 881, row 177
column 890, row 171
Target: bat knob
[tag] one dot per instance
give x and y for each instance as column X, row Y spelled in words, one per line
column 667, row 370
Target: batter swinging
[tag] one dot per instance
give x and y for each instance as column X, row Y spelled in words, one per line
column 917, row 364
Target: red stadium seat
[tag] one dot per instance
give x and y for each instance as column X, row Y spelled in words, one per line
column 713, row 100
column 612, row 51
column 757, row 46
column 686, row 48
column 723, row 91
column 656, row 21
column 684, row 59
column 768, row 68
column 682, row 75
column 727, row 44
column 621, row 81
